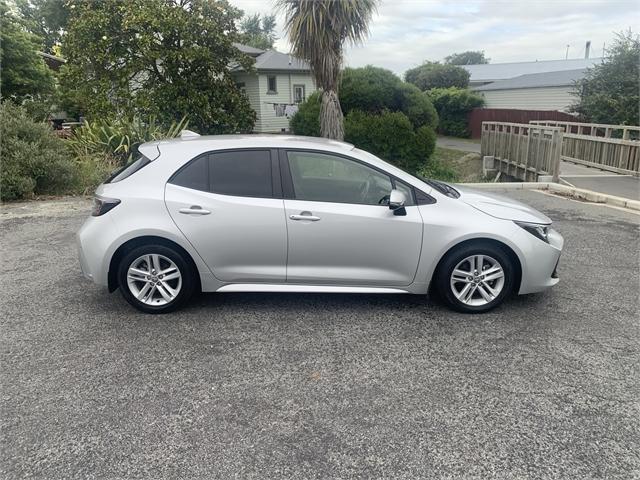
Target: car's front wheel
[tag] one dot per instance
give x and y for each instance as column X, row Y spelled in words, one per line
column 155, row 278
column 475, row 278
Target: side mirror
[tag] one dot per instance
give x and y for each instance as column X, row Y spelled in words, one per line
column 397, row 200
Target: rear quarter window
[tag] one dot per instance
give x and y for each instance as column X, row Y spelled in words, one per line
column 129, row 169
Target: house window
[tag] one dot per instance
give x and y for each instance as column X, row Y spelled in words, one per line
column 298, row 93
column 272, row 85
column 242, row 86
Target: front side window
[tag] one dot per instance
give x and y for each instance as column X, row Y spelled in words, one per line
column 244, row 173
column 272, row 84
column 327, row 178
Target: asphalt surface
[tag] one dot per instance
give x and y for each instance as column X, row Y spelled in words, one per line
column 320, row 386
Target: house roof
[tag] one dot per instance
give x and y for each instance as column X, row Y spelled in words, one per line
column 536, row 80
column 252, row 51
column 500, row 71
column 273, row 60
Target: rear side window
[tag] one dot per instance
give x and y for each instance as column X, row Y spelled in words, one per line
column 240, row 173
column 129, row 169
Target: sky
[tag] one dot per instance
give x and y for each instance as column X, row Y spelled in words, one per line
column 404, row 33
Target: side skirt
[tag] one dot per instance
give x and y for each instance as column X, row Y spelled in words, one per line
column 268, row 287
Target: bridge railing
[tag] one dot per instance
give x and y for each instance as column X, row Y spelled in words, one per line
column 623, row 132
column 524, row 151
column 596, row 145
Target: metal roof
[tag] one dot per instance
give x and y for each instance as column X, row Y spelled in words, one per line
column 272, row 60
column 500, row 71
column 536, row 80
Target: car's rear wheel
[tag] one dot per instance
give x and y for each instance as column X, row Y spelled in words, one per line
column 155, row 278
column 475, row 277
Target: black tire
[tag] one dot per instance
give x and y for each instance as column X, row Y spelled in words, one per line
column 187, row 273
column 453, row 258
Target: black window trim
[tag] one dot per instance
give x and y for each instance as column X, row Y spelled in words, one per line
column 275, row 81
column 287, row 180
column 276, row 183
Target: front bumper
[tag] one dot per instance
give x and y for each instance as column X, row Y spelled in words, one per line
column 540, row 269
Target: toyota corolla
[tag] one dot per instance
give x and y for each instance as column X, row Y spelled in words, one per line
column 259, row 213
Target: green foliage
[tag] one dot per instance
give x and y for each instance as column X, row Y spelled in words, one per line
column 258, row 31
column 119, row 139
column 609, row 91
column 307, row 120
column 391, row 136
column 156, row 58
column 453, row 105
column 436, row 75
column 24, row 72
column 372, row 90
column 34, row 161
column 470, row 57
column 46, row 19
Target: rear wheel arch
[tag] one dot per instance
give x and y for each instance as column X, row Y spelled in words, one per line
column 483, row 241
column 129, row 245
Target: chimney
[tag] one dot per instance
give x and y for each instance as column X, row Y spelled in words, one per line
column 587, row 47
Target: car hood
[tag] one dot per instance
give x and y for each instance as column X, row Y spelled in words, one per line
column 501, row 207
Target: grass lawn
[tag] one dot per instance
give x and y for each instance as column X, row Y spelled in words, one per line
column 454, row 166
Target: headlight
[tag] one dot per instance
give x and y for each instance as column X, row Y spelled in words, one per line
column 537, row 230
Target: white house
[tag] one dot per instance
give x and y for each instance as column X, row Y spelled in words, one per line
column 536, row 91
column 280, row 82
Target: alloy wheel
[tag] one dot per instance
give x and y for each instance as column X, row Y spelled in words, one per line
column 477, row 280
column 154, row 279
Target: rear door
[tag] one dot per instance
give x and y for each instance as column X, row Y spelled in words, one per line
column 228, row 205
column 340, row 228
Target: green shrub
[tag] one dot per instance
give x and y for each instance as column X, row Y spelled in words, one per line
column 390, row 135
column 416, row 105
column 34, row 160
column 307, row 120
column 453, row 105
column 437, row 75
column 119, row 139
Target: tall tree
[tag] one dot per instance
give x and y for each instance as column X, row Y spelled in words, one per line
column 24, row 72
column 47, row 19
column 608, row 93
column 258, row 31
column 318, row 31
column 168, row 58
column 470, row 57
column 437, row 75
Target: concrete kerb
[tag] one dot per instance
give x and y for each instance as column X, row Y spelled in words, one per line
column 577, row 193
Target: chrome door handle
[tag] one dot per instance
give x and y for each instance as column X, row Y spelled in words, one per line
column 194, row 210
column 309, row 217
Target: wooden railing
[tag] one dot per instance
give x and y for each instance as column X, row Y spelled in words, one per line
column 623, row 132
column 594, row 145
column 521, row 150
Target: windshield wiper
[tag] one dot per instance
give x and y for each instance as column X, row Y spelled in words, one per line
column 443, row 188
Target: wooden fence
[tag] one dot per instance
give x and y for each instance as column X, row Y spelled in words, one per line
column 594, row 145
column 521, row 150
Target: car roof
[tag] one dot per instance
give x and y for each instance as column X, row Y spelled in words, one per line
column 196, row 144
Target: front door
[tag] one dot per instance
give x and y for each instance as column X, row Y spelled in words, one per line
column 340, row 229
column 224, row 204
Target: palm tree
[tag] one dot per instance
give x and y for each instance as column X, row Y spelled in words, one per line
column 318, row 30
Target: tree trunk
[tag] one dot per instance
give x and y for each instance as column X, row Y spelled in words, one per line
column 331, row 119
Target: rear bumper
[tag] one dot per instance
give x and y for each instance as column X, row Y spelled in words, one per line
column 540, row 271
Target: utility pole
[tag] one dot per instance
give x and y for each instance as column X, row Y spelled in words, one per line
column 567, row 54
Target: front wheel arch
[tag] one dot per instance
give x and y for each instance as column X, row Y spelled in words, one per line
column 482, row 241
column 146, row 240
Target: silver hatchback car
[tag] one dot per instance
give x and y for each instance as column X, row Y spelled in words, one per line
column 259, row 213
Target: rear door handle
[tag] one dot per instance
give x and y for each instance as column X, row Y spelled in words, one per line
column 305, row 216
column 194, row 210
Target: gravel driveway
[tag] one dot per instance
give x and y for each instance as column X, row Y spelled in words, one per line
column 320, row 386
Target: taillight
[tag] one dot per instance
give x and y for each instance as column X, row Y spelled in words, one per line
column 102, row 205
